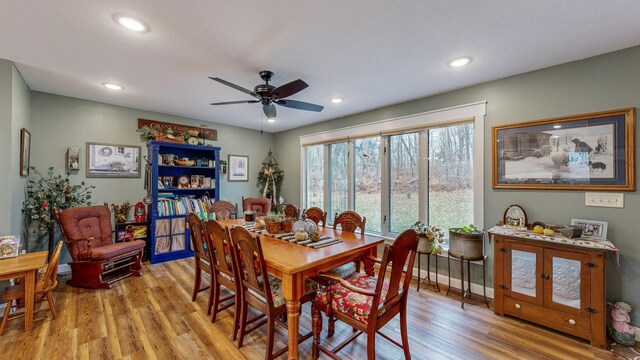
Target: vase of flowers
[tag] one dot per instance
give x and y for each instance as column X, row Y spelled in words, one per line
column 430, row 238
column 121, row 212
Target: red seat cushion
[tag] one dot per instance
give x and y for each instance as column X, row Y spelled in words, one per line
column 113, row 250
column 353, row 304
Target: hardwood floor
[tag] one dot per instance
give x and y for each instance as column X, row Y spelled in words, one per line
column 152, row 317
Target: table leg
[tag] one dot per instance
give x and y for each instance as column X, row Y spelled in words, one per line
column 292, row 289
column 368, row 264
column 29, row 298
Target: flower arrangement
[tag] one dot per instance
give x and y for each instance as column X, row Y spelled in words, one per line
column 49, row 193
column 121, row 211
column 433, row 235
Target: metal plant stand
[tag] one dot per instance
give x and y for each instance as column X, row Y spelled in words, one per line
column 465, row 293
column 428, row 277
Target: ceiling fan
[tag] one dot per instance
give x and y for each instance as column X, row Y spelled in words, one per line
column 268, row 95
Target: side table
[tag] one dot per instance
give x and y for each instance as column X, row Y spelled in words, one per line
column 428, row 277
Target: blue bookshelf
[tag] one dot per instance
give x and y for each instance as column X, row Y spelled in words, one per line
column 168, row 236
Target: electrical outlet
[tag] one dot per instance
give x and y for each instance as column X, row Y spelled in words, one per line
column 612, row 200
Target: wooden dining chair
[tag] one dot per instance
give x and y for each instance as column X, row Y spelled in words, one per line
column 264, row 293
column 224, row 210
column 224, row 271
column 202, row 260
column 349, row 221
column 316, row 215
column 291, row 211
column 368, row 303
column 45, row 285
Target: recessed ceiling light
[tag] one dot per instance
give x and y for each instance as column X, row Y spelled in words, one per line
column 337, row 100
column 460, row 61
column 557, row 126
column 131, row 23
column 271, row 120
column 113, row 86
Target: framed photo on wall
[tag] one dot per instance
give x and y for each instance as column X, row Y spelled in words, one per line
column 113, row 160
column 25, row 151
column 593, row 151
column 238, row 168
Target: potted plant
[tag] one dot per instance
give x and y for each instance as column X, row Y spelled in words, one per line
column 430, row 238
column 249, row 216
column 121, row 212
column 466, row 242
column 287, row 224
column 273, row 221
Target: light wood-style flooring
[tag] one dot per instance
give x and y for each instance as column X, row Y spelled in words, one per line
column 152, row 317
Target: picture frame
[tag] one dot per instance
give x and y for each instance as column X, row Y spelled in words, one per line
column 197, row 181
column 73, row 158
column 113, row 160
column 183, row 181
column 592, row 229
column 167, row 181
column 594, row 151
column 206, row 182
column 238, row 168
column 25, row 151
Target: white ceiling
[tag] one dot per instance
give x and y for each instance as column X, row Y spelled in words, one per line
column 370, row 52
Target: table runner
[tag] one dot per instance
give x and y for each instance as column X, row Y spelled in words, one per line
column 324, row 240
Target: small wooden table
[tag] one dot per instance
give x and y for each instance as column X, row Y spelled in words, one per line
column 25, row 266
column 296, row 263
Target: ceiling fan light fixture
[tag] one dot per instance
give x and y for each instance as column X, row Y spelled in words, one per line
column 112, row 86
column 131, row 23
column 271, row 120
column 462, row 61
column 336, row 100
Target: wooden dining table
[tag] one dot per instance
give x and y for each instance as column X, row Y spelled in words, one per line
column 294, row 264
column 25, row 266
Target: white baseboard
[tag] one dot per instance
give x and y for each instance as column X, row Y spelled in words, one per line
column 455, row 283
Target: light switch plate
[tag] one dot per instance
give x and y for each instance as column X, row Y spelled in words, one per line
column 611, row 200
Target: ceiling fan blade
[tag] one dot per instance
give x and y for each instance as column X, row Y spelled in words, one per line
column 288, row 89
column 236, row 102
column 237, row 87
column 269, row 110
column 300, row 105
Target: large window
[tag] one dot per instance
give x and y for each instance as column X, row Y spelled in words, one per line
column 368, row 178
column 451, row 176
column 315, row 176
column 398, row 177
column 338, row 178
column 404, row 181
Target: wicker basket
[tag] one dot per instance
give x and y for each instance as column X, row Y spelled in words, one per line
column 469, row 246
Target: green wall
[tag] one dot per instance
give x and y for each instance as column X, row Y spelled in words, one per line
column 604, row 82
column 59, row 122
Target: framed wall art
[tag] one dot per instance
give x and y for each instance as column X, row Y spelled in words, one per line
column 25, row 151
column 113, row 161
column 73, row 158
column 238, row 168
column 581, row 152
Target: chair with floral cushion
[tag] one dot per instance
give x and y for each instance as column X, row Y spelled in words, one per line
column 262, row 293
column 259, row 206
column 291, row 211
column 224, row 271
column 367, row 303
column 316, row 215
column 202, row 260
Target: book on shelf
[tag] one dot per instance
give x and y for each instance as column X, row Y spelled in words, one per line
column 183, row 205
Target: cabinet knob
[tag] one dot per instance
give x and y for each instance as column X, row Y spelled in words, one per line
column 572, row 322
column 517, row 306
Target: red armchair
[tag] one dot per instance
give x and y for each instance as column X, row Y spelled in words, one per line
column 260, row 206
column 97, row 260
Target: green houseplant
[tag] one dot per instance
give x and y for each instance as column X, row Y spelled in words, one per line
column 49, row 193
column 466, row 242
column 430, row 238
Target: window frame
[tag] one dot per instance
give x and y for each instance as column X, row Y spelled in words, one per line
column 469, row 113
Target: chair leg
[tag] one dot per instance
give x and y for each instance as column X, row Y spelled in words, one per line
column 5, row 318
column 236, row 316
column 214, row 298
column 371, row 345
column 243, row 323
column 196, row 283
column 316, row 322
column 270, row 337
column 403, row 332
column 52, row 305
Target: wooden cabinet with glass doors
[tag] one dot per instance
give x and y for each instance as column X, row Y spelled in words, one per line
column 555, row 285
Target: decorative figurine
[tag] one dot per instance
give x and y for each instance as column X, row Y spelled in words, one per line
column 619, row 328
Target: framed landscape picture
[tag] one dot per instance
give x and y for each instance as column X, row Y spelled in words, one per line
column 581, row 152
column 113, row 161
column 238, row 168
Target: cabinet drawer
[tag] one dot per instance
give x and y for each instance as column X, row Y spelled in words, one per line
column 571, row 324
